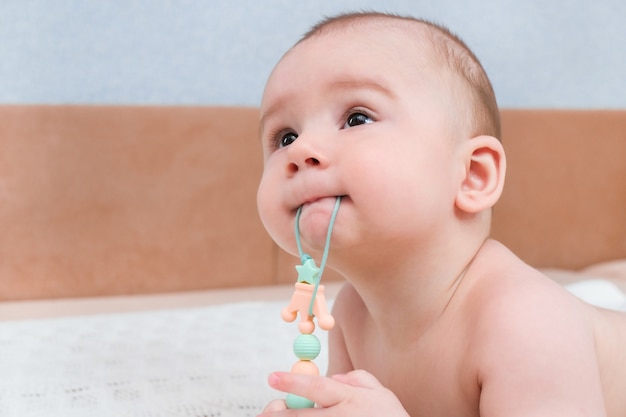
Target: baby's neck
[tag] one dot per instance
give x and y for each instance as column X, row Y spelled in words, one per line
column 405, row 300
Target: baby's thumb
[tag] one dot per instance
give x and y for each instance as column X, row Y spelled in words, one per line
column 358, row 378
column 275, row 405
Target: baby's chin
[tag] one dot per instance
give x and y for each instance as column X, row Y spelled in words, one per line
column 314, row 241
column 314, row 223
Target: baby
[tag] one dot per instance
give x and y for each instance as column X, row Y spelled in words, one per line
column 397, row 117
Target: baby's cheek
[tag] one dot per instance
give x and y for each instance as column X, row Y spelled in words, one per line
column 269, row 217
column 278, row 226
column 266, row 198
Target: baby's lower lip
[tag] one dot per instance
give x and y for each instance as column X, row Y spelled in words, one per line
column 313, row 202
column 320, row 199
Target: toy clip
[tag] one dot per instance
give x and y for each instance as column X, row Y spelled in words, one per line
column 309, row 301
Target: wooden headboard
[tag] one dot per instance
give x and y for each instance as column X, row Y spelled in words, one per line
column 104, row 200
column 564, row 199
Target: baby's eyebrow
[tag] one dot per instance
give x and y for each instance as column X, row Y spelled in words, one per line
column 362, row 84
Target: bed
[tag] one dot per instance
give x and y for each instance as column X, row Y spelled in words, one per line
column 137, row 279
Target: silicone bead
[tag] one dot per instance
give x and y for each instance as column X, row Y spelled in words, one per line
column 307, row 347
column 308, row 272
column 296, row 402
column 305, row 368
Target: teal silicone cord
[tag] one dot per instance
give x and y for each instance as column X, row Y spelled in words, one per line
column 304, row 257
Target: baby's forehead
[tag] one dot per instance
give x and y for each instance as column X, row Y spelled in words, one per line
column 396, row 52
column 407, row 37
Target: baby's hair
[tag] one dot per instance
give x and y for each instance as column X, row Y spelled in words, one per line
column 457, row 57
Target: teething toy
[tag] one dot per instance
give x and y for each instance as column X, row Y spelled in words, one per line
column 309, row 301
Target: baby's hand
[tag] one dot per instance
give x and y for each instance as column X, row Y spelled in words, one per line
column 355, row 393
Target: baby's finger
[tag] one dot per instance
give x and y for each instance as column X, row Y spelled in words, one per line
column 275, row 405
column 321, row 390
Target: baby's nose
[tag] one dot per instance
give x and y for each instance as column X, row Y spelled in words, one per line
column 304, row 154
column 295, row 167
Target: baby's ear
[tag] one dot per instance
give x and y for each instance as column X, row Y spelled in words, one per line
column 483, row 176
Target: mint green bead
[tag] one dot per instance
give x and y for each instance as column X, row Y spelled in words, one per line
column 307, row 347
column 296, row 402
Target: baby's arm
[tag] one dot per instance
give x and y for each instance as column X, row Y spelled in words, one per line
column 537, row 358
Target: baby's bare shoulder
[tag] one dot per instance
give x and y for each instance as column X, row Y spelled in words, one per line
column 523, row 321
column 526, row 301
column 527, row 328
column 514, row 307
column 505, row 289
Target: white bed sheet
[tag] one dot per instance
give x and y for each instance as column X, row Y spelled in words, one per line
column 203, row 361
column 209, row 361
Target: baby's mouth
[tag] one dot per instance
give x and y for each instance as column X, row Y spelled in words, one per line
column 321, row 200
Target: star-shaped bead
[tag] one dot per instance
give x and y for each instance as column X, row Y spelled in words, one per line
column 308, row 272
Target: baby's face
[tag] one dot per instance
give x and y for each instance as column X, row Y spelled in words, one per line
column 362, row 115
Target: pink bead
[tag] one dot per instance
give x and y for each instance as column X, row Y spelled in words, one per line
column 305, row 368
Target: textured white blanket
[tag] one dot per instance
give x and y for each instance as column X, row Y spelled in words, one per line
column 201, row 362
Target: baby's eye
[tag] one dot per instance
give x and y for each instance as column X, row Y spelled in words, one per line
column 287, row 139
column 357, row 118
